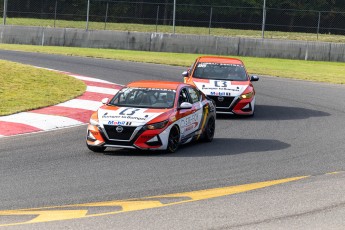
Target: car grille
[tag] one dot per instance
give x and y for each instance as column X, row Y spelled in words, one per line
column 225, row 103
column 120, row 143
column 115, row 135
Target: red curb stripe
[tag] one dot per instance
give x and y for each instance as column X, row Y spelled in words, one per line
column 102, row 84
column 81, row 115
column 12, row 128
column 92, row 96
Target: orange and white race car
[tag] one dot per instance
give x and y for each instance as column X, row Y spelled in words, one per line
column 152, row 115
column 226, row 81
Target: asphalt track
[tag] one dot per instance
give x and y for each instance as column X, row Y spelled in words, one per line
column 298, row 130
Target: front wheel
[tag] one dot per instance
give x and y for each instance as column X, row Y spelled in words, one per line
column 97, row 149
column 209, row 130
column 173, row 140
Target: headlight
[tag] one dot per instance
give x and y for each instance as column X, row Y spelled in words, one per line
column 158, row 125
column 247, row 95
column 94, row 119
column 93, row 122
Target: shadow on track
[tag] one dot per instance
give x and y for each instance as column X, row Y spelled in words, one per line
column 271, row 112
column 219, row 147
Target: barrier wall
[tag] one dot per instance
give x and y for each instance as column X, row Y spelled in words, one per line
column 177, row 43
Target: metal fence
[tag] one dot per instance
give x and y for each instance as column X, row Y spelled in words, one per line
column 161, row 17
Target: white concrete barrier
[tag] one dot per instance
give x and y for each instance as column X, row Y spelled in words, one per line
column 179, row 43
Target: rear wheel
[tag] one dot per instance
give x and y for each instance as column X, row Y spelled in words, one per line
column 173, row 140
column 97, row 149
column 209, row 130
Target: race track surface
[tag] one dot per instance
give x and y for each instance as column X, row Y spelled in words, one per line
column 298, row 130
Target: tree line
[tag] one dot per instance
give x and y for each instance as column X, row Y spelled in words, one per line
column 242, row 14
column 45, row 5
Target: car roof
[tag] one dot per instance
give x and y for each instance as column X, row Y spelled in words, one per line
column 218, row 59
column 155, row 84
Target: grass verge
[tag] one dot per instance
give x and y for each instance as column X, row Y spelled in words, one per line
column 330, row 72
column 24, row 88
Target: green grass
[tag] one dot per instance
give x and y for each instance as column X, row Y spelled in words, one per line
column 24, row 88
column 331, row 72
column 178, row 29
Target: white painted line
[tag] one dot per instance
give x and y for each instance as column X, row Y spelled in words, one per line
column 41, row 121
column 81, row 104
column 102, row 90
column 90, row 79
column 39, row 67
column 77, row 76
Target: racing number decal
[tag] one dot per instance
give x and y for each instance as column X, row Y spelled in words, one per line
column 223, row 84
column 130, row 112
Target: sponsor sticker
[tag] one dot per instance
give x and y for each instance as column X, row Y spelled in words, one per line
column 204, row 64
column 220, row 93
column 190, row 120
column 173, row 118
column 119, row 123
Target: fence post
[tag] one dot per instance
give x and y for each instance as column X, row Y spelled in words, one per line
column 209, row 25
column 318, row 27
column 55, row 13
column 5, row 12
column 157, row 18
column 174, row 14
column 106, row 16
column 87, row 15
column 263, row 19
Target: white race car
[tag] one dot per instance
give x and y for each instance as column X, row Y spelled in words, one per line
column 152, row 115
column 226, row 81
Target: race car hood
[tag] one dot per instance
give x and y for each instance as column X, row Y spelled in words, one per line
column 127, row 116
column 221, row 87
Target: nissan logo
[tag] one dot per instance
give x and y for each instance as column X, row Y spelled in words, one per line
column 119, row 129
column 220, row 99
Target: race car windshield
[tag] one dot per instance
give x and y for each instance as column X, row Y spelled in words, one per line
column 217, row 71
column 144, row 98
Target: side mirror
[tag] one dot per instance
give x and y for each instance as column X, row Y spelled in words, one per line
column 105, row 100
column 185, row 105
column 254, row 78
column 185, row 74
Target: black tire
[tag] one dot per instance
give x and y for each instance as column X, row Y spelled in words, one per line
column 97, row 149
column 173, row 140
column 209, row 130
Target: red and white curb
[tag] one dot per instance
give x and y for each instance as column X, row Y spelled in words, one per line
column 70, row 113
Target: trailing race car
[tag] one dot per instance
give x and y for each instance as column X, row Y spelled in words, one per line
column 152, row 115
column 226, row 81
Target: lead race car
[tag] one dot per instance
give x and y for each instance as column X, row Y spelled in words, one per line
column 152, row 115
column 226, row 81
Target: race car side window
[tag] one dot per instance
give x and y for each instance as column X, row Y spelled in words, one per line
column 183, row 97
column 194, row 95
column 201, row 95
